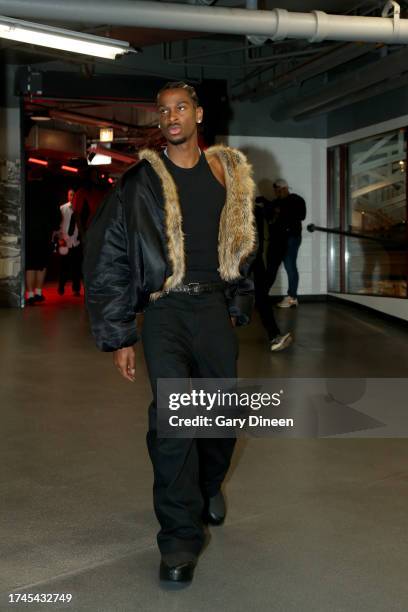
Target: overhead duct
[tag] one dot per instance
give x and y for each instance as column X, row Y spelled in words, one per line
column 383, row 69
column 79, row 119
column 70, row 144
column 276, row 24
column 369, row 92
column 336, row 56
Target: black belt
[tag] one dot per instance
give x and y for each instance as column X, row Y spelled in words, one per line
column 197, row 288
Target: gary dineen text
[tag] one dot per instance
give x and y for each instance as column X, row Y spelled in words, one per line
column 223, row 421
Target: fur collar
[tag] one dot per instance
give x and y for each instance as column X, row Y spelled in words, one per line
column 236, row 238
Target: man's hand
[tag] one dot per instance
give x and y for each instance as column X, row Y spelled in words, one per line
column 124, row 360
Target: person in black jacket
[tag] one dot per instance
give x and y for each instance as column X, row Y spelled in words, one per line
column 176, row 239
column 284, row 216
column 277, row 341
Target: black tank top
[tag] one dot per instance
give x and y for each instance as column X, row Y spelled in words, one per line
column 202, row 199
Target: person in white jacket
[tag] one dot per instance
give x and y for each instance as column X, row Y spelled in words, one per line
column 69, row 248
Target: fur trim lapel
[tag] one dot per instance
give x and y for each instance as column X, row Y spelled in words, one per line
column 237, row 237
column 173, row 220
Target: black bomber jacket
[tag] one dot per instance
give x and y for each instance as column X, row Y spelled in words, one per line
column 134, row 248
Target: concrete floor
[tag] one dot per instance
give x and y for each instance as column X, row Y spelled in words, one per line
column 313, row 525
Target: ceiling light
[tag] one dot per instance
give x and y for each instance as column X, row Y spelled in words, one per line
column 40, row 118
column 100, row 160
column 69, row 169
column 106, row 134
column 61, row 39
column 96, row 159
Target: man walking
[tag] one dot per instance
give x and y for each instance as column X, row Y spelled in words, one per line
column 176, row 239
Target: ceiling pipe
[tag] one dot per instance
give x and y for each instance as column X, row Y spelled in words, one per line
column 276, row 24
column 252, row 5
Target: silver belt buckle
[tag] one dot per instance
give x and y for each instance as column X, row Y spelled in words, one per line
column 194, row 287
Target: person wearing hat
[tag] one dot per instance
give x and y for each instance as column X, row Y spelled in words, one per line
column 284, row 216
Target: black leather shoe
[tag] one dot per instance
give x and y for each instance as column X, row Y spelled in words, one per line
column 216, row 510
column 177, row 568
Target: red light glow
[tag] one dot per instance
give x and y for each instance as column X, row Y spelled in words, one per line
column 69, row 169
column 40, row 162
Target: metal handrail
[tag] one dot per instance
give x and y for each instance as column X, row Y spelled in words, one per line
column 385, row 241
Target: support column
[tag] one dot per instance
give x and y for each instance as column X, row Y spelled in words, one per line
column 11, row 193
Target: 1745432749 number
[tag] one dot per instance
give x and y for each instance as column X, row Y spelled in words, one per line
column 50, row 598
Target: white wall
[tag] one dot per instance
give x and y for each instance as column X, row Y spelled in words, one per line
column 302, row 162
column 397, row 307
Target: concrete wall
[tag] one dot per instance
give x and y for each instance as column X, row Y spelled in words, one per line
column 302, row 162
column 11, row 251
column 368, row 113
column 263, row 118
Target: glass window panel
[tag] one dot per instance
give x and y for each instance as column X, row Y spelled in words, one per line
column 376, row 208
column 334, row 221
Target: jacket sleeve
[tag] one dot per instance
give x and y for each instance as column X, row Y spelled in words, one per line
column 240, row 294
column 111, row 290
column 301, row 209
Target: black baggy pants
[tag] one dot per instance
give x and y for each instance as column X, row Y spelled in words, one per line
column 187, row 336
column 262, row 300
column 70, row 268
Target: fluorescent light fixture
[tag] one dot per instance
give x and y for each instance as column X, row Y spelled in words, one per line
column 99, row 160
column 106, row 134
column 40, row 118
column 69, row 169
column 61, row 39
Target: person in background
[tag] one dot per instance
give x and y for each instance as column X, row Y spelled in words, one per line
column 41, row 218
column 277, row 341
column 284, row 216
column 87, row 199
column 69, row 248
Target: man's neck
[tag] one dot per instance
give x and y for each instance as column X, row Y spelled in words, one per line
column 185, row 155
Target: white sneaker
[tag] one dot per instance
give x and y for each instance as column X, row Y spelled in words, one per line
column 288, row 302
column 279, row 343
